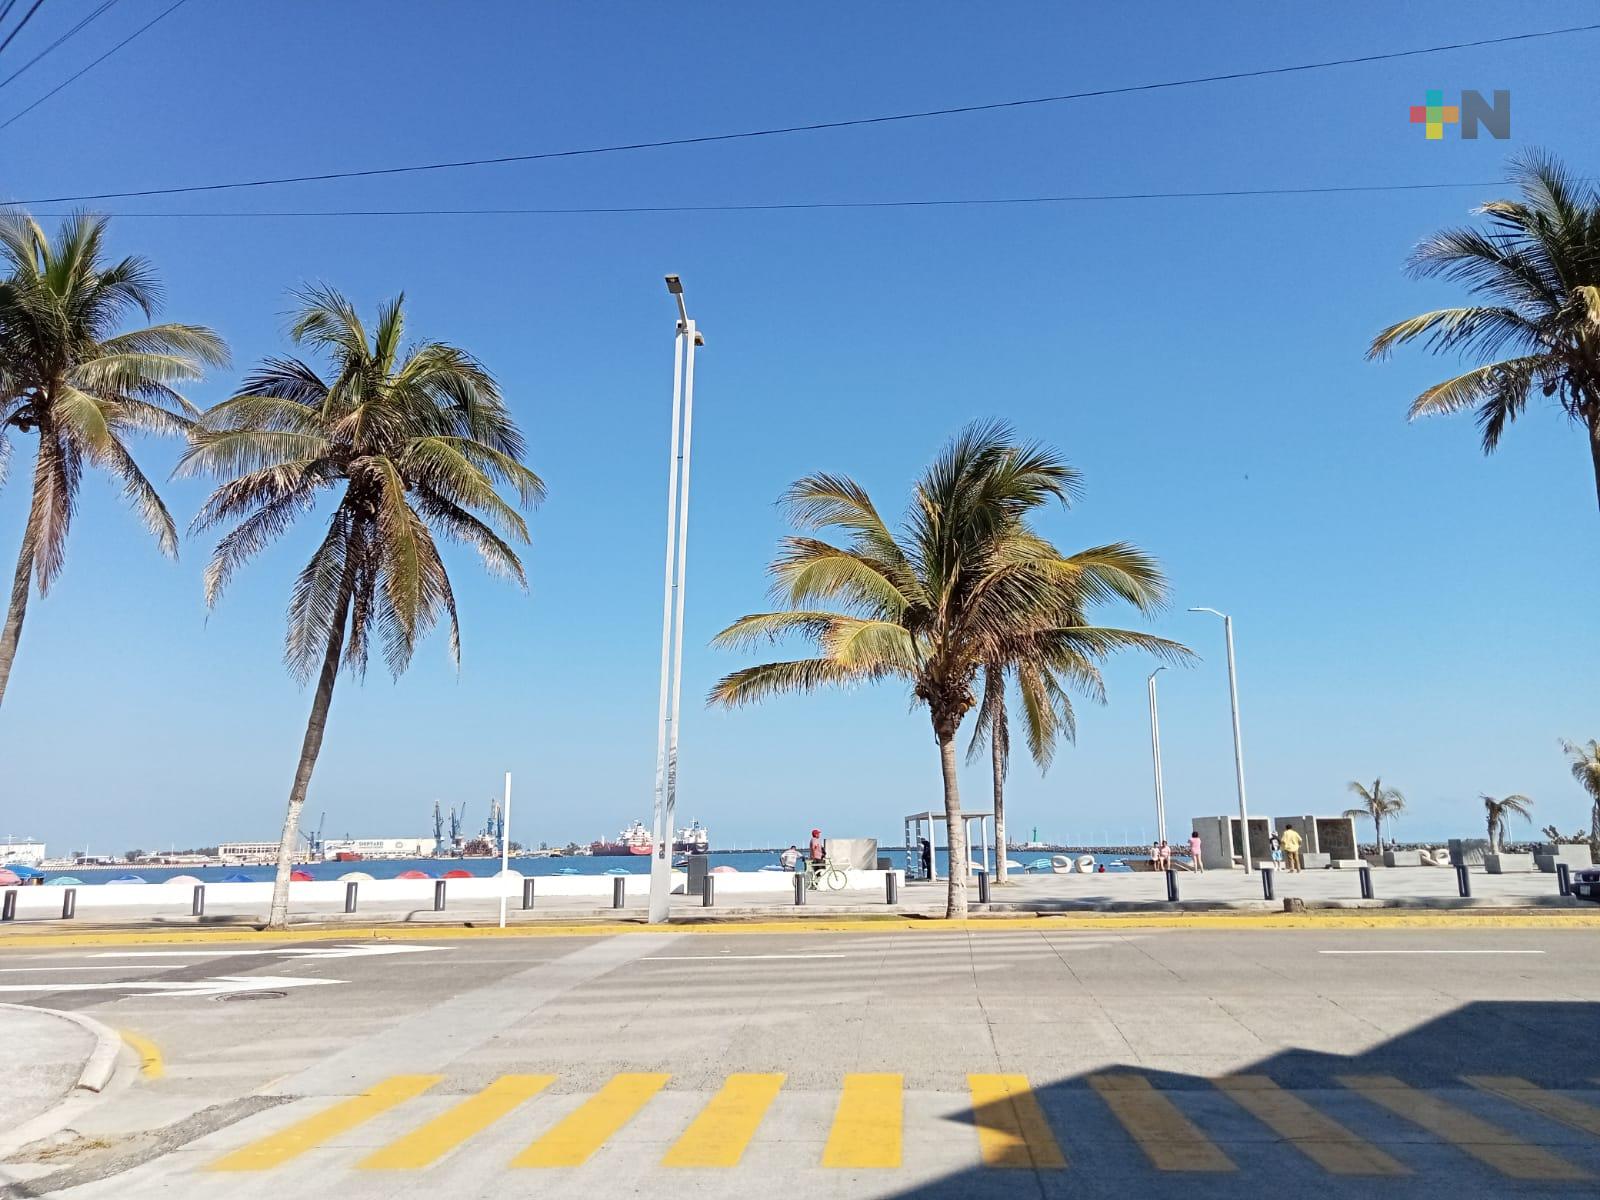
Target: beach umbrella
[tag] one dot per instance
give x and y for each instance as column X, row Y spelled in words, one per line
column 190, row 880
column 236, row 877
column 23, row 871
column 413, row 875
column 64, row 881
column 355, row 877
column 728, row 870
column 301, row 876
column 458, row 873
column 128, row 879
column 8, row 877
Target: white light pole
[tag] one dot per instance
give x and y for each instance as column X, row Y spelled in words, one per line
column 1155, row 755
column 672, row 606
column 505, row 849
column 1238, row 743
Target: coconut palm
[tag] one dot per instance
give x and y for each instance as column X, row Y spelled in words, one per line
column 412, row 443
column 1537, row 268
column 965, row 577
column 70, row 375
column 1585, row 763
column 1377, row 802
column 1498, row 814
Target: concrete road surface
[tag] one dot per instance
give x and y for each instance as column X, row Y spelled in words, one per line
column 1460, row 1062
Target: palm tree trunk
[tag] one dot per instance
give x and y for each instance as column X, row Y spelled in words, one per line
column 11, row 635
column 278, row 918
column 955, row 830
column 1594, row 452
column 998, row 761
column 1377, row 831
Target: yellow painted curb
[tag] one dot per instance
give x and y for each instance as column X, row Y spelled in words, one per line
column 150, row 1064
column 1324, row 919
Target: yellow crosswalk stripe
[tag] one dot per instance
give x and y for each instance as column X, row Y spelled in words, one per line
column 1574, row 1113
column 1319, row 1137
column 719, row 1135
column 1012, row 1130
column 867, row 1125
column 1487, row 1143
column 448, row 1130
column 1169, row 1139
column 303, row 1135
column 586, row 1128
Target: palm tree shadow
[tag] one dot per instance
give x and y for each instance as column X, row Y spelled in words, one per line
column 1551, row 1044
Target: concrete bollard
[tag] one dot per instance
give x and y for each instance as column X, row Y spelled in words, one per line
column 527, row 893
column 891, row 888
column 619, row 891
column 197, row 906
column 8, row 908
column 438, row 895
column 69, row 903
column 1463, row 881
column 350, row 896
column 799, row 889
column 1563, row 880
column 1268, row 890
column 1172, row 886
column 1365, row 875
column 708, row 891
column 983, row 887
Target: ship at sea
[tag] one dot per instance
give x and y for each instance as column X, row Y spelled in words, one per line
column 636, row 840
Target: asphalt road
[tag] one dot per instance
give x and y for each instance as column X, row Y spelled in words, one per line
column 1407, row 1063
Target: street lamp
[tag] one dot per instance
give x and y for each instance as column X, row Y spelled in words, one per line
column 666, row 795
column 1238, row 743
column 1155, row 755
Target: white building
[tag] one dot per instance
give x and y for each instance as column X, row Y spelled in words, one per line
column 248, row 851
column 378, row 847
column 29, row 854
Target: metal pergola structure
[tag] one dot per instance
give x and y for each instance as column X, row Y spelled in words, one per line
column 935, row 821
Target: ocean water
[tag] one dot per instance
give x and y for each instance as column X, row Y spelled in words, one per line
column 388, row 868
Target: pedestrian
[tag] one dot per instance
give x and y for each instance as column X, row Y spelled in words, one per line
column 1291, row 848
column 1155, row 853
column 1166, row 855
column 927, row 857
column 790, row 858
column 1277, row 851
column 1196, row 863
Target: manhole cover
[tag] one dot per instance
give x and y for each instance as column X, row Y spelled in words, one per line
column 253, row 996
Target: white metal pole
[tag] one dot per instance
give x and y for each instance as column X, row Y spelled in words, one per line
column 1155, row 755
column 505, row 849
column 662, row 835
column 661, row 867
column 1238, row 744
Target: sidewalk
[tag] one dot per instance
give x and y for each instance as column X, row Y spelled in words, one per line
column 50, row 1056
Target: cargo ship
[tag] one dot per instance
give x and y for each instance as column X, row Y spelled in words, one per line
column 636, row 840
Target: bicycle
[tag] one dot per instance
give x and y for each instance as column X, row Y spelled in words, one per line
column 826, row 877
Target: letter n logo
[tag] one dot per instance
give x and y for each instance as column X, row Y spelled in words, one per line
column 1495, row 118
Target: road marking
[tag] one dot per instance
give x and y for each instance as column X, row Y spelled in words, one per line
column 1169, row 1139
column 220, row 986
column 279, row 1147
column 1487, row 1143
column 1347, row 952
column 106, row 967
column 448, row 1130
column 868, row 1123
column 585, row 1129
column 1320, row 1138
column 280, row 951
column 150, row 1064
column 732, row 957
column 1554, row 1105
column 719, row 1135
column 1012, row 1131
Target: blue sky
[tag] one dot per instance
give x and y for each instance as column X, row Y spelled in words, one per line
column 1403, row 606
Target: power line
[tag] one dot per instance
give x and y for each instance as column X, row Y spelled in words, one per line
column 80, row 73
column 6, row 11
column 69, row 33
column 26, row 17
column 799, row 206
column 813, row 127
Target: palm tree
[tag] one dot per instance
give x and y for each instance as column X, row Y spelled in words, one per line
column 1585, row 762
column 69, row 376
column 965, row 577
column 1046, row 674
column 1498, row 814
column 412, row 442
column 1537, row 267
column 1377, row 802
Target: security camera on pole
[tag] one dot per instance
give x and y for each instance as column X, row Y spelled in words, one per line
column 672, row 607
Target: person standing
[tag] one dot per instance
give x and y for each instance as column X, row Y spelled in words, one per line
column 1196, row 863
column 1291, row 848
column 926, row 849
column 790, row 858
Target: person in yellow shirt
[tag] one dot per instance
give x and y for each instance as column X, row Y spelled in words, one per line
column 1290, row 841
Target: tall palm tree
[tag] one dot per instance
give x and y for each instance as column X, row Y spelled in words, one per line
column 1046, row 673
column 1377, row 802
column 965, row 576
column 1585, row 763
column 1537, row 268
column 1498, row 814
column 412, row 442
column 69, row 376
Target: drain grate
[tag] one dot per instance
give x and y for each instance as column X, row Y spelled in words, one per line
column 252, row 996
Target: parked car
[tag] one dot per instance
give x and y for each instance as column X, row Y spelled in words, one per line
column 1586, row 884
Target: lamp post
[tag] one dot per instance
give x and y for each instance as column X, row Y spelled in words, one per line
column 1155, row 755
column 666, row 796
column 1238, row 743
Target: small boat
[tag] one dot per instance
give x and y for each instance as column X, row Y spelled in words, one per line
column 1038, row 864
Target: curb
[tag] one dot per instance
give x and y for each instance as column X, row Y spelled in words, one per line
column 99, row 1069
